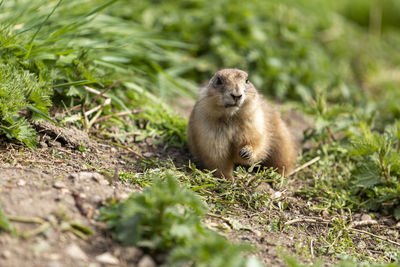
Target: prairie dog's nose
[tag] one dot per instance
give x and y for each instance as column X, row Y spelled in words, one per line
column 236, row 97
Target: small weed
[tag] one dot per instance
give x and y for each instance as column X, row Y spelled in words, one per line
column 135, row 178
column 338, row 240
column 274, row 225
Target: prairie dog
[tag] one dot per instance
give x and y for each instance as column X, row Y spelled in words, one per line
column 231, row 124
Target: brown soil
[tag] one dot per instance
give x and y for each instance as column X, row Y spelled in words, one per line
column 61, row 187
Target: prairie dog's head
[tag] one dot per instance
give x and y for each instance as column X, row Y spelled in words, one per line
column 229, row 90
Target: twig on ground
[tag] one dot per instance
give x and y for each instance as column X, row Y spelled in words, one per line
column 307, row 220
column 64, row 150
column 305, row 165
column 36, row 231
column 374, row 235
column 105, row 91
column 363, row 223
column 55, row 139
column 99, row 94
column 25, row 219
column 112, row 135
column 74, row 108
column 349, row 228
column 338, row 235
column 129, row 149
column 312, row 248
column 44, row 225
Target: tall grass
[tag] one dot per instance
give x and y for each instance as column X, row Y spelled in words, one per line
column 65, row 45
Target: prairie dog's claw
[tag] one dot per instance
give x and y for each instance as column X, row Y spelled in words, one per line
column 246, row 152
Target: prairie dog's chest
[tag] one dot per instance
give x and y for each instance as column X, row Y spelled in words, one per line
column 222, row 131
column 237, row 129
column 249, row 127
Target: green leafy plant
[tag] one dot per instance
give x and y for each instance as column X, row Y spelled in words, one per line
column 376, row 176
column 167, row 218
column 20, row 90
column 157, row 218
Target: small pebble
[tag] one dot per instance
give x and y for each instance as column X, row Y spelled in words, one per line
column 76, row 252
column 86, row 176
column 129, row 140
column 257, row 233
column 55, row 144
column 366, row 217
column 277, row 194
column 146, row 261
column 5, row 254
column 361, row 245
column 104, row 182
column 54, row 264
column 21, row 182
column 265, row 188
column 97, row 198
column 97, row 177
column 121, row 196
column 43, row 145
column 64, row 191
column 59, row 185
column 325, row 213
column 131, row 253
column 107, row 258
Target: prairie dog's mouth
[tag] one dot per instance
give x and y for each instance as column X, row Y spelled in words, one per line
column 231, row 105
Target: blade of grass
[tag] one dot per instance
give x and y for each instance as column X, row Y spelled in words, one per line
column 40, row 27
column 41, row 114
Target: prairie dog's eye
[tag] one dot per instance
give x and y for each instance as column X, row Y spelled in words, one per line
column 247, row 80
column 218, row 81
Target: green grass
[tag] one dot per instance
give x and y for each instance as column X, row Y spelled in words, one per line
column 217, row 192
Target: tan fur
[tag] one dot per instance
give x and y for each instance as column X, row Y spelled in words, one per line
column 230, row 116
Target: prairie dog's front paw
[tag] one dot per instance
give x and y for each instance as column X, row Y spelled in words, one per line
column 246, row 152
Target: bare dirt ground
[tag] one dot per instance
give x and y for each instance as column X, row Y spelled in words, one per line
column 52, row 195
